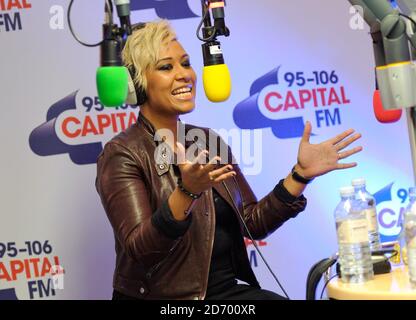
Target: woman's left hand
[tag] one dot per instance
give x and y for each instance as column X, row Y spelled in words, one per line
column 317, row 159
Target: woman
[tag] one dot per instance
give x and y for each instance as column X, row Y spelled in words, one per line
column 179, row 226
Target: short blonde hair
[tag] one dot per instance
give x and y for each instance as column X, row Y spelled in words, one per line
column 142, row 48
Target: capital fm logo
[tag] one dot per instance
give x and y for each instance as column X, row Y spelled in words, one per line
column 391, row 203
column 11, row 14
column 284, row 100
column 30, row 270
column 79, row 125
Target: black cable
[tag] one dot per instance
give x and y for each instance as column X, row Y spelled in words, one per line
column 198, row 30
column 326, row 283
column 254, row 242
column 408, row 17
column 414, row 23
column 72, row 31
column 249, row 233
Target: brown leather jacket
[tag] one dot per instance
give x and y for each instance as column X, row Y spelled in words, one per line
column 133, row 185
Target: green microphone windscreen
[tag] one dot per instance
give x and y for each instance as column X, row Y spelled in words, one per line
column 112, row 85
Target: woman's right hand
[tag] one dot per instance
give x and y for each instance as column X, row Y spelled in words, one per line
column 197, row 176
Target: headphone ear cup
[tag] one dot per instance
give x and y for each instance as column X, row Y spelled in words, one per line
column 132, row 95
column 136, row 96
column 141, row 95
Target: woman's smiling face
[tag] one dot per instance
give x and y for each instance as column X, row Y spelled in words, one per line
column 171, row 82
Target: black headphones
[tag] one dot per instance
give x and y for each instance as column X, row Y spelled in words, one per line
column 137, row 94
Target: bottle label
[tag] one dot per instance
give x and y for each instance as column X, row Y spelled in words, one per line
column 371, row 215
column 352, row 231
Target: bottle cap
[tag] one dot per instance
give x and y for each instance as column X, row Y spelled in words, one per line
column 358, row 182
column 346, row 191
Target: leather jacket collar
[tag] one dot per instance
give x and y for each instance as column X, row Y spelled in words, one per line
column 149, row 128
column 146, row 124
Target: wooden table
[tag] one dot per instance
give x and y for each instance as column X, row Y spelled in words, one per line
column 390, row 286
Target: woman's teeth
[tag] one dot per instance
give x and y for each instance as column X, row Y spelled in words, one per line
column 183, row 93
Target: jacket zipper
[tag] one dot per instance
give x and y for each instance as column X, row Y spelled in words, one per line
column 156, row 267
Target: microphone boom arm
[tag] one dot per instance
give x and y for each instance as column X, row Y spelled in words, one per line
column 394, row 41
column 395, row 70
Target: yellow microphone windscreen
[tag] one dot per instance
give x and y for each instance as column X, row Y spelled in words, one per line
column 217, row 82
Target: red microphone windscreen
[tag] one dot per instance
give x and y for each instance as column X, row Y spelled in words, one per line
column 383, row 115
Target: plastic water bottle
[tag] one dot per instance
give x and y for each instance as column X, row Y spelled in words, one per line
column 400, row 246
column 368, row 205
column 353, row 242
column 410, row 235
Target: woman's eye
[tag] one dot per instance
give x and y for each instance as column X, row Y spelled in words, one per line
column 165, row 67
column 186, row 63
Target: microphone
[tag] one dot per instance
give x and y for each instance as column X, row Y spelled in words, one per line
column 112, row 76
column 218, row 13
column 123, row 12
column 383, row 115
column 395, row 71
column 216, row 75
